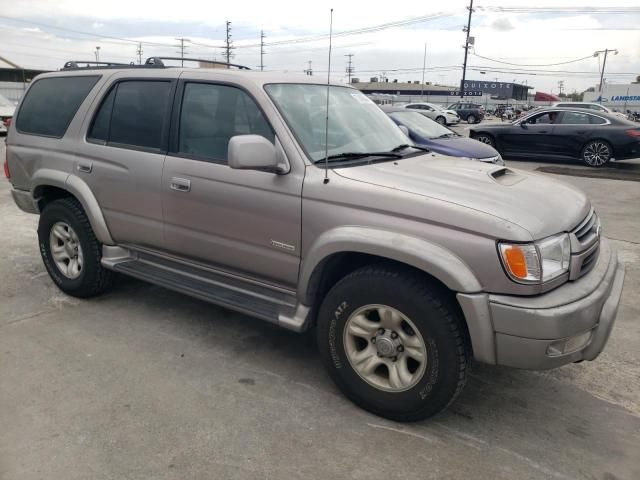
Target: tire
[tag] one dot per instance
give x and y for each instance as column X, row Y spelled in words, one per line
column 596, row 153
column 423, row 314
column 64, row 229
column 441, row 120
column 471, row 118
column 485, row 138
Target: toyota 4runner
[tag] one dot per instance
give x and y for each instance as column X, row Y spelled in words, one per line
column 233, row 187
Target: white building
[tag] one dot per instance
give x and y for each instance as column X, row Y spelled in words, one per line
column 617, row 97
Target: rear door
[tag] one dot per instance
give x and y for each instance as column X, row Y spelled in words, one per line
column 123, row 156
column 570, row 133
column 245, row 222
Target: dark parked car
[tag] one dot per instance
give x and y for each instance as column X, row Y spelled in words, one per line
column 593, row 137
column 469, row 112
column 424, row 132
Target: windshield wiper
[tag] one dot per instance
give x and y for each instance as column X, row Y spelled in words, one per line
column 406, row 145
column 355, row 155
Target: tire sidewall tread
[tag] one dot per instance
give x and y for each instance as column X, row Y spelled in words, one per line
column 439, row 322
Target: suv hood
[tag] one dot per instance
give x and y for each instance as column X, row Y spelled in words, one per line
column 537, row 203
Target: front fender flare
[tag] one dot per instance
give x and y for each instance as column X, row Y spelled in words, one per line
column 431, row 258
column 79, row 189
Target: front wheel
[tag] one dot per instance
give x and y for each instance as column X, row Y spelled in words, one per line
column 485, row 138
column 441, row 120
column 471, row 119
column 393, row 343
column 597, row 153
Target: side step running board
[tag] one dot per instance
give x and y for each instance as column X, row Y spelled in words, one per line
column 259, row 301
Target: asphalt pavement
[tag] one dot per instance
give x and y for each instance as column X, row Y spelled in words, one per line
column 144, row 383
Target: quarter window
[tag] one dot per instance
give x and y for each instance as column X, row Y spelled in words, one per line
column 51, row 104
column 212, row 114
column 575, row 118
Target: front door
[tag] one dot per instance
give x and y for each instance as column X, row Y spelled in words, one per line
column 242, row 221
column 530, row 137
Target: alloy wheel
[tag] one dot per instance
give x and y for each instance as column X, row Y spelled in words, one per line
column 385, row 348
column 597, row 154
column 66, row 250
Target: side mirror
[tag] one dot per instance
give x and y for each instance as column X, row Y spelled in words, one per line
column 254, row 152
column 523, row 125
column 404, row 129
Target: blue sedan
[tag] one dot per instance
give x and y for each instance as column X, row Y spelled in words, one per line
column 424, row 132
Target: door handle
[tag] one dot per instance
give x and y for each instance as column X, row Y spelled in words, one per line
column 180, row 184
column 581, row 132
column 85, row 167
column 542, row 131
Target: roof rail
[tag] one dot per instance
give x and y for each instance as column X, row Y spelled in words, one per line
column 71, row 64
column 158, row 61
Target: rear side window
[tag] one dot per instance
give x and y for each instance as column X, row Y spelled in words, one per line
column 51, row 104
column 133, row 114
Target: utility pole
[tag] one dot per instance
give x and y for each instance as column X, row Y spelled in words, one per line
column 424, row 66
column 604, row 62
column 309, row 71
column 139, row 53
column 182, row 49
column 228, row 44
column 261, row 50
column 560, row 87
column 467, row 29
column 349, row 66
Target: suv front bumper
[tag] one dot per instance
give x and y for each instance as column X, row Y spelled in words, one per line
column 568, row 324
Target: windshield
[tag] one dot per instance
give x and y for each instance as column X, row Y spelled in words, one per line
column 4, row 102
column 421, row 125
column 356, row 124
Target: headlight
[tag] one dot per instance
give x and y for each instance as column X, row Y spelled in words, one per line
column 537, row 262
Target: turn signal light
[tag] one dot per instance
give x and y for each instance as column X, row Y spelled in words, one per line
column 516, row 261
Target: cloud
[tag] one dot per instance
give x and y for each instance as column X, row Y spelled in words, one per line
column 502, row 24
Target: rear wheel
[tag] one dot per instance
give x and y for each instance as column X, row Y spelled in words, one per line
column 394, row 344
column 70, row 251
column 485, row 138
column 441, row 120
column 471, row 118
column 597, row 153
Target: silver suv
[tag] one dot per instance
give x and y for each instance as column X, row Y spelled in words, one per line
column 228, row 186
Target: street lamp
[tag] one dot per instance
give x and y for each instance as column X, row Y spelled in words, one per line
column 97, row 52
column 604, row 62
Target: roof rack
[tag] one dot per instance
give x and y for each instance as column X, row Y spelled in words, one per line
column 158, row 61
column 72, row 64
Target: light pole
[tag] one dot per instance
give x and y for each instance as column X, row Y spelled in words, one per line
column 604, row 63
column 424, row 65
column 97, row 52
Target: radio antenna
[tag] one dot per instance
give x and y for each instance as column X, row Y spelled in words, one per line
column 326, row 124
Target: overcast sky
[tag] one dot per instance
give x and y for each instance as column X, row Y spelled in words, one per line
column 524, row 41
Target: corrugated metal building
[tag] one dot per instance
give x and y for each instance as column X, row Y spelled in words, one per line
column 15, row 79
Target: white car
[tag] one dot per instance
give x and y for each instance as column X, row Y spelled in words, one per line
column 6, row 113
column 589, row 106
column 435, row 112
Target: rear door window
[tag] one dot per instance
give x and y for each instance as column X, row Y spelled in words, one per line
column 51, row 104
column 134, row 113
column 574, row 118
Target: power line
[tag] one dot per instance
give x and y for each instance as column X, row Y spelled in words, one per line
column 533, row 64
column 563, row 10
column 79, row 32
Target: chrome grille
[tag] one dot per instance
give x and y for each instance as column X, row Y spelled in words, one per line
column 585, row 246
